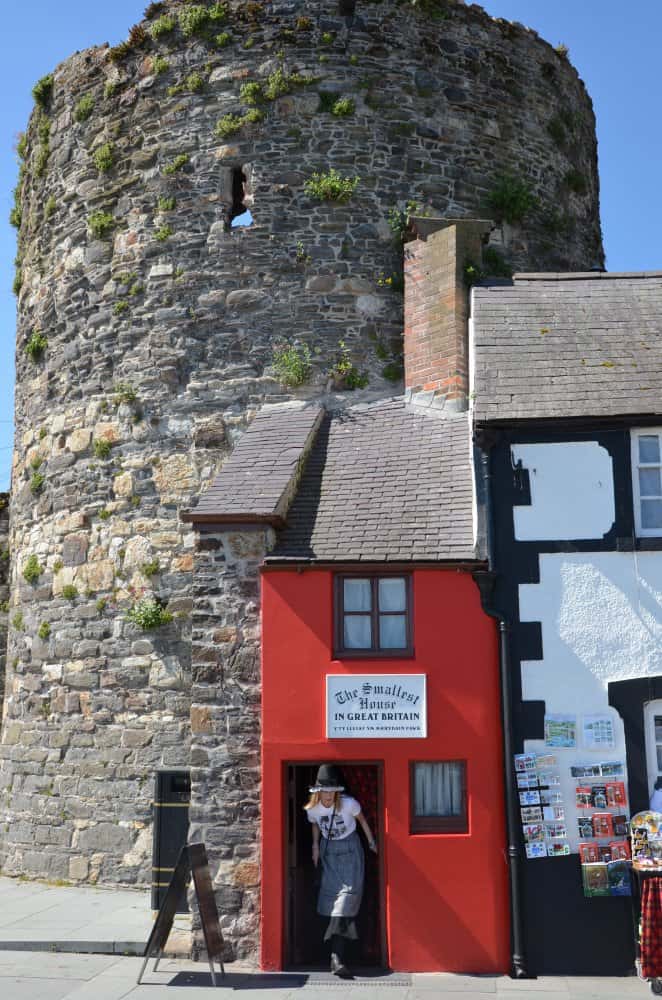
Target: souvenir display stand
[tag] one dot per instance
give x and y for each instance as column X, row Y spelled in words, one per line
column 646, row 837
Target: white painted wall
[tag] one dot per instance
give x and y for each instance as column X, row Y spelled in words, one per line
column 572, row 491
column 601, row 615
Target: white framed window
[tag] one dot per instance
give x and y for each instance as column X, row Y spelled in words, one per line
column 647, row 481
column 653, row 731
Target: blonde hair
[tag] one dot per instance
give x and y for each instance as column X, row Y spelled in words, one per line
column 315, row 799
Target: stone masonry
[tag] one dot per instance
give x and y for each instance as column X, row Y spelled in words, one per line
column 145, row 345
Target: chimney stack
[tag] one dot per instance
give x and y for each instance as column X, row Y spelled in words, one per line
column 437, row 310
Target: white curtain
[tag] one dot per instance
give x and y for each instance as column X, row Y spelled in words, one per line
column 438, row 789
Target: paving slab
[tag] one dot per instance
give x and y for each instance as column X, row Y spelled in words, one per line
column 43, row 917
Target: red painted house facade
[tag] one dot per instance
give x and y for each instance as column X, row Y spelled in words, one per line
column 444, row 894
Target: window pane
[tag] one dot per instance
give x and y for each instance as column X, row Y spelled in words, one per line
column 438, row 789
column 659, row 758
column 357, row 595
column 651, row 513
column 392, row 594
column 649, row 448
column 392, row 632
column 658, row 728
column 649, row 482
column 357, row 632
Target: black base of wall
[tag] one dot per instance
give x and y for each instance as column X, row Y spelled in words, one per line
column 568, row 934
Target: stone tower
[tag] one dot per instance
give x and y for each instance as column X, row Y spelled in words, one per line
column 147, row 325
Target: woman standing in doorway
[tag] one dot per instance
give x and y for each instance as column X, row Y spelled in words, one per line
column 337, row 847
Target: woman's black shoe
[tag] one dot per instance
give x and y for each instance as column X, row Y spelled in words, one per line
column 338, row 968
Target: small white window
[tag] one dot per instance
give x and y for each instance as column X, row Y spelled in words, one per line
column 653, row 729
column 647, row 481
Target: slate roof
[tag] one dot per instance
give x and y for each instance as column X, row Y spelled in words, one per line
column 383, row 482
column 255, row 482
column 568, row 345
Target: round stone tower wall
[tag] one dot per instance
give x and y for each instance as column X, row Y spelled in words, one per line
column 147, row 327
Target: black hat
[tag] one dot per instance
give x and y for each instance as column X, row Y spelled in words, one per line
column 329, row 779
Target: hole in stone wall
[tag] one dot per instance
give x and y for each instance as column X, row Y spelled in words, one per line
column 240, row 213
column 346, row 7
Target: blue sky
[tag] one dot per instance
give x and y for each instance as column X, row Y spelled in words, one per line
column 614, row 47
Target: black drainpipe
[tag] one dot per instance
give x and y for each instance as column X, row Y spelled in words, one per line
column 486, row 580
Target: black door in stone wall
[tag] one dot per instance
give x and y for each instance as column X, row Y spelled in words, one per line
column 304, row 929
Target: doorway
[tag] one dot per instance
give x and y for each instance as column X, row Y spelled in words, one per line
column 304, row 928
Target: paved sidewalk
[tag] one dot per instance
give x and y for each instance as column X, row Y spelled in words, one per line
column 35, row 916
column 66, row 943
column 108, row 977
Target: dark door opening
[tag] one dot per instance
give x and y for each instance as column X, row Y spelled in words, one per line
column 304, row 928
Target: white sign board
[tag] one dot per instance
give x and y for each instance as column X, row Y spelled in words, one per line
column 376, row 706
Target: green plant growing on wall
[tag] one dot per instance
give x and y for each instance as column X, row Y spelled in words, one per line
column 21, row 145
column 228, row 125
column 148, row 613
column 37, row 481
column 17, row 283
column 253, row 116
column 163, row 233
column 44, row 630
column 18, row 621
column 49, row 208
column 562, row 50
column 344, row 372
column 292, row 363
column 57, row 565
column 109, row 89
column 104, row 514
column 104, row 157
column 150, row 568
column 123, row 393
column 398, row 219
column 300, row 254
column 162, row 26
column 101, row 605
column 160, row 65
column 223, row 39
column 36, row 345
column 120, row 307
column 195, row 83
column 331, row 186
column 511, row 199
column 166, row 204
column 16, row 213
column 32, row 569
column 177, row 164
column 43, row 90
column 251, row 93
column 84, row 108
column 102, row 447
column 343, row 107
column 154, row 9
column 100, row 224
column 70, row 592
column 193, row 20
column 436, row 9
column 280, row 83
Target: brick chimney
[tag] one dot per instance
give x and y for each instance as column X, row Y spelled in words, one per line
column 437, row 310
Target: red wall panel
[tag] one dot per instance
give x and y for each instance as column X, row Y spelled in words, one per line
column 446, row 894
